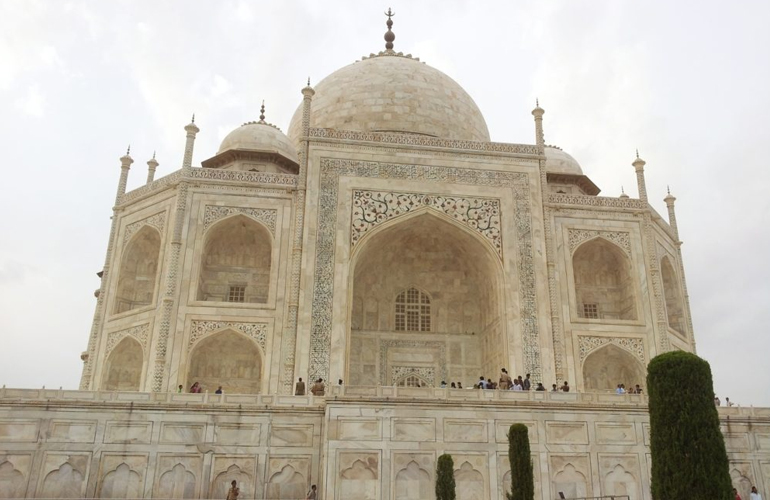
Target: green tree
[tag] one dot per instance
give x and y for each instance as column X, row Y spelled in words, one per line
column 688, row 451
column 445, row 478
column 522, row 480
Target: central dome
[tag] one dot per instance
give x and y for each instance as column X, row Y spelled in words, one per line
column 393, row 93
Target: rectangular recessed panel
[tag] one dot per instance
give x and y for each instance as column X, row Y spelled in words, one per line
column 612, row 433
column 358, row 429
column 414, row 429
column 566, row 432
column 70, row 431
column 128, row 432
column 19, row 431
column 465, row 431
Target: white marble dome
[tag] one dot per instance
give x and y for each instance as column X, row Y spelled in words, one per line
column 259, row 136
column 393, row 93
column 559, row 162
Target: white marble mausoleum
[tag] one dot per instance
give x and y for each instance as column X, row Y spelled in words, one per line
column 384, row 240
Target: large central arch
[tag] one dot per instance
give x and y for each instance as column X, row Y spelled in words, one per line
column 426, row 299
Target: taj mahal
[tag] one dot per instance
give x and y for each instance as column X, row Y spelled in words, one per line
column 384, row 244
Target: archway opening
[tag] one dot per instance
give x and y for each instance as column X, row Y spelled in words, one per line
column 671, row 291
column 138, row 271
column 604, row 288
column 236, row 260
column 124, row 366
column 609, row 366
column 228, row 359
column 426, row 299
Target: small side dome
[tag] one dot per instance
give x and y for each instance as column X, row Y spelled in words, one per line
column 262, row 137
column 559, row 162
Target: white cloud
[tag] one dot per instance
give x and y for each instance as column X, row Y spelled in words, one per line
column 32, row 103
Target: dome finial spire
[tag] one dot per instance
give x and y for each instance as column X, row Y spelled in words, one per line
column 262, row 112
column 389, row 35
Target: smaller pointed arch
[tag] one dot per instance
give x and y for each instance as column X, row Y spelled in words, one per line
column 228, row 359
column 123, row 370
column 138, row 272
column 610, row 365
column 673, row 295
column 604, row 284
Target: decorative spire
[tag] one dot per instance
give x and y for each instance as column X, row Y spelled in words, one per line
column 128, row 150
column 389, row 35
column 153, row 155
column 637, row 153
column 262, row 112
column 623, row 193
column 668, row 189
column 193, row 118
column 538, row 113
column 308, row 81
column 152, row 164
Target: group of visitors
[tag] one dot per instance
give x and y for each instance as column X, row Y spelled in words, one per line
column 717, row 402
column 754, row 495
column 621, row 389
column 196, row 388
column 317, row 389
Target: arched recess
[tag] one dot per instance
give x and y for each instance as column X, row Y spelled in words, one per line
column 138, row 270
column 611, row 365
column 604, row 285
column 123, row 370
column 453, row 268
column 236, row 262
column 673, row 294
column 229, row 359
column 412, row 380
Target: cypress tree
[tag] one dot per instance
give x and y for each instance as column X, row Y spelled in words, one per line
column 522, row 480
column 445, row 478
column 688, row 451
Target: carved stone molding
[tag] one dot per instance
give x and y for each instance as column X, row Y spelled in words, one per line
column 266, row 216
column 202, row 328
column 158, row 221
column 426, row 373
column 371, row 208
column 620, row 238
column 323, row 284
column 241, row 176
column 424, row 141
column 588, row 344
column 140, row 333
column 596, row 201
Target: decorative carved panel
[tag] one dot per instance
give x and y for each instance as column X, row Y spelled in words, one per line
column 588, row 344
column 157, row 221
column 139, row 332
column 371, row 208
column 202, row 328
column 266, row 216
column 620, row 238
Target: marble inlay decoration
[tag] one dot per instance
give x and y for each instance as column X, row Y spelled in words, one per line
column 202, row 328
column 266, row 216
column 157, row 221
column 620, row 238
column 588, row 344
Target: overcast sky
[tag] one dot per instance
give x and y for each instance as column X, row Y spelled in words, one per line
column 686, row 82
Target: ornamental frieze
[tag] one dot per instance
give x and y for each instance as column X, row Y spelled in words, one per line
column 202, row 328
column 372, row 208
column 139, row 333
column 620, row 238
column 426, row 373
column 157, row 221
column 266, row 216
column 588, row 344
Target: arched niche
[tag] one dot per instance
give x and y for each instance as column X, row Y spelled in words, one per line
column 123, row 370
column 609, row 366
column 604, row 286
column 458, row 282
column 138, row 271
column 229, row 359
column 673, row 295
column 236, row 261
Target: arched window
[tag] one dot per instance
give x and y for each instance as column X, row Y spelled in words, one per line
column 604, row 287
column 138, row 271
column 412, row 311
column 674, row 306
column 236, row 261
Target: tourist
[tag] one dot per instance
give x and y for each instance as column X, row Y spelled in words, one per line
column 505, row 379
column 555, row 389
column 490, row 384
column 459, row 385
column 620, row 389
column 339, row 382
column 234, row 491
column 196, row 388
column 300, row 388
column 517, row 386
column 443, row 384
column 637, row 390
column 482, row 383
column 219, row 390
column 318, row 388
column 716, row 401
column 754, row 495
column 453, row 386
column 527, row 385
column 312, row 494
column 540, row 387
column 565, row 387
column 737, row 496
column 180, row 389
column 728, row 402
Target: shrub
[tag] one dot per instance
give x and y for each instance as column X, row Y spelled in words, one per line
column 445, row 478
column 688, row 451
column 522, row 481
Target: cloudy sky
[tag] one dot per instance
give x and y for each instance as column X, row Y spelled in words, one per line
column 686, row 82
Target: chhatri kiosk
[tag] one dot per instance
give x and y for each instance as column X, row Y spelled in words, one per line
column 386, row 241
